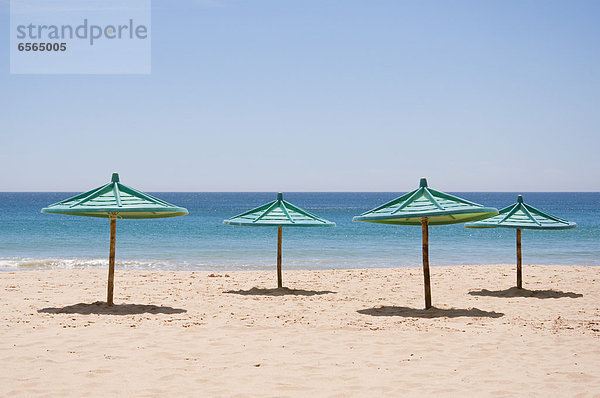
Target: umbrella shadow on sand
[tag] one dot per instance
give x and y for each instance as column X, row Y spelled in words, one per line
column 281, row 291
column 100, row 307
column 432, row 312
column 516, row 292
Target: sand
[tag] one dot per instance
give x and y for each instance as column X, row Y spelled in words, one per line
column 342, row 333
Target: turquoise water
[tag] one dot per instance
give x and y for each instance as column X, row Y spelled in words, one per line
column 31, row 240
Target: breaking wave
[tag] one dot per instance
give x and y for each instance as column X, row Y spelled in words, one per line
column 31, row 264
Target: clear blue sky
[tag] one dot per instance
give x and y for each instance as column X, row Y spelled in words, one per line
column 323, row 96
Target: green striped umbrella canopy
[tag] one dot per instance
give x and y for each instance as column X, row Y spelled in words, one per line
column 438, row 207
column 278, row 213
column 425, row 206
column 522, row 216
column 115, row 200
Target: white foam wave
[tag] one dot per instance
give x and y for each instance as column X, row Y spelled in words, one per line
column 25, row 264
column 30, row 264
column 20, row 264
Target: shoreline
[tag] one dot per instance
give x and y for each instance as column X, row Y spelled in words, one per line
column 335, row 333
column 146, row 266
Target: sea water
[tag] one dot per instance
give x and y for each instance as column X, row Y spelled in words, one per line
column 200, row 240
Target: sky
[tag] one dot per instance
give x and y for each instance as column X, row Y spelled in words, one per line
column 319, row 95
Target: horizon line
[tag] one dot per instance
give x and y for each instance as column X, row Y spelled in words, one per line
column 313, row 191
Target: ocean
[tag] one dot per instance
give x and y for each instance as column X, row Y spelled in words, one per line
column 200, row 241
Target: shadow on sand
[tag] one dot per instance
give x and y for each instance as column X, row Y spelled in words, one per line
column 430, row 313
column 516, row 292
column 281, row 291
column 100, row 307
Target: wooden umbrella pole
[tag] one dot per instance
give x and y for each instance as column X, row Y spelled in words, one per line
column 427, row 283
column 279, row 233
column 111, row 261
column 519, row 261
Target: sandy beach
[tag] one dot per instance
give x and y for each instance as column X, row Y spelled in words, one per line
column 335, row 333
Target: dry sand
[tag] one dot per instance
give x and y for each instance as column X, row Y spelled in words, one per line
column 342, row 333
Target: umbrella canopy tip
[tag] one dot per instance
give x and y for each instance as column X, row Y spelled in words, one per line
column 423, row 183
column 279, row 196
column 115, row 177
column 520, row 198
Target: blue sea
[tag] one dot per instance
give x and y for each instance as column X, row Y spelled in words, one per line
column 199, row 241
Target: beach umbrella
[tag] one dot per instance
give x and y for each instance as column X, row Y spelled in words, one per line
column 278, row 213
column 425, row 206
column 115, row 200
column 522, row 216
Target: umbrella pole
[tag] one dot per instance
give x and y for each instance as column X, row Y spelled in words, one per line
column 111, row 261
column 427, row 283
column 519, row 261
column 279, row 233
